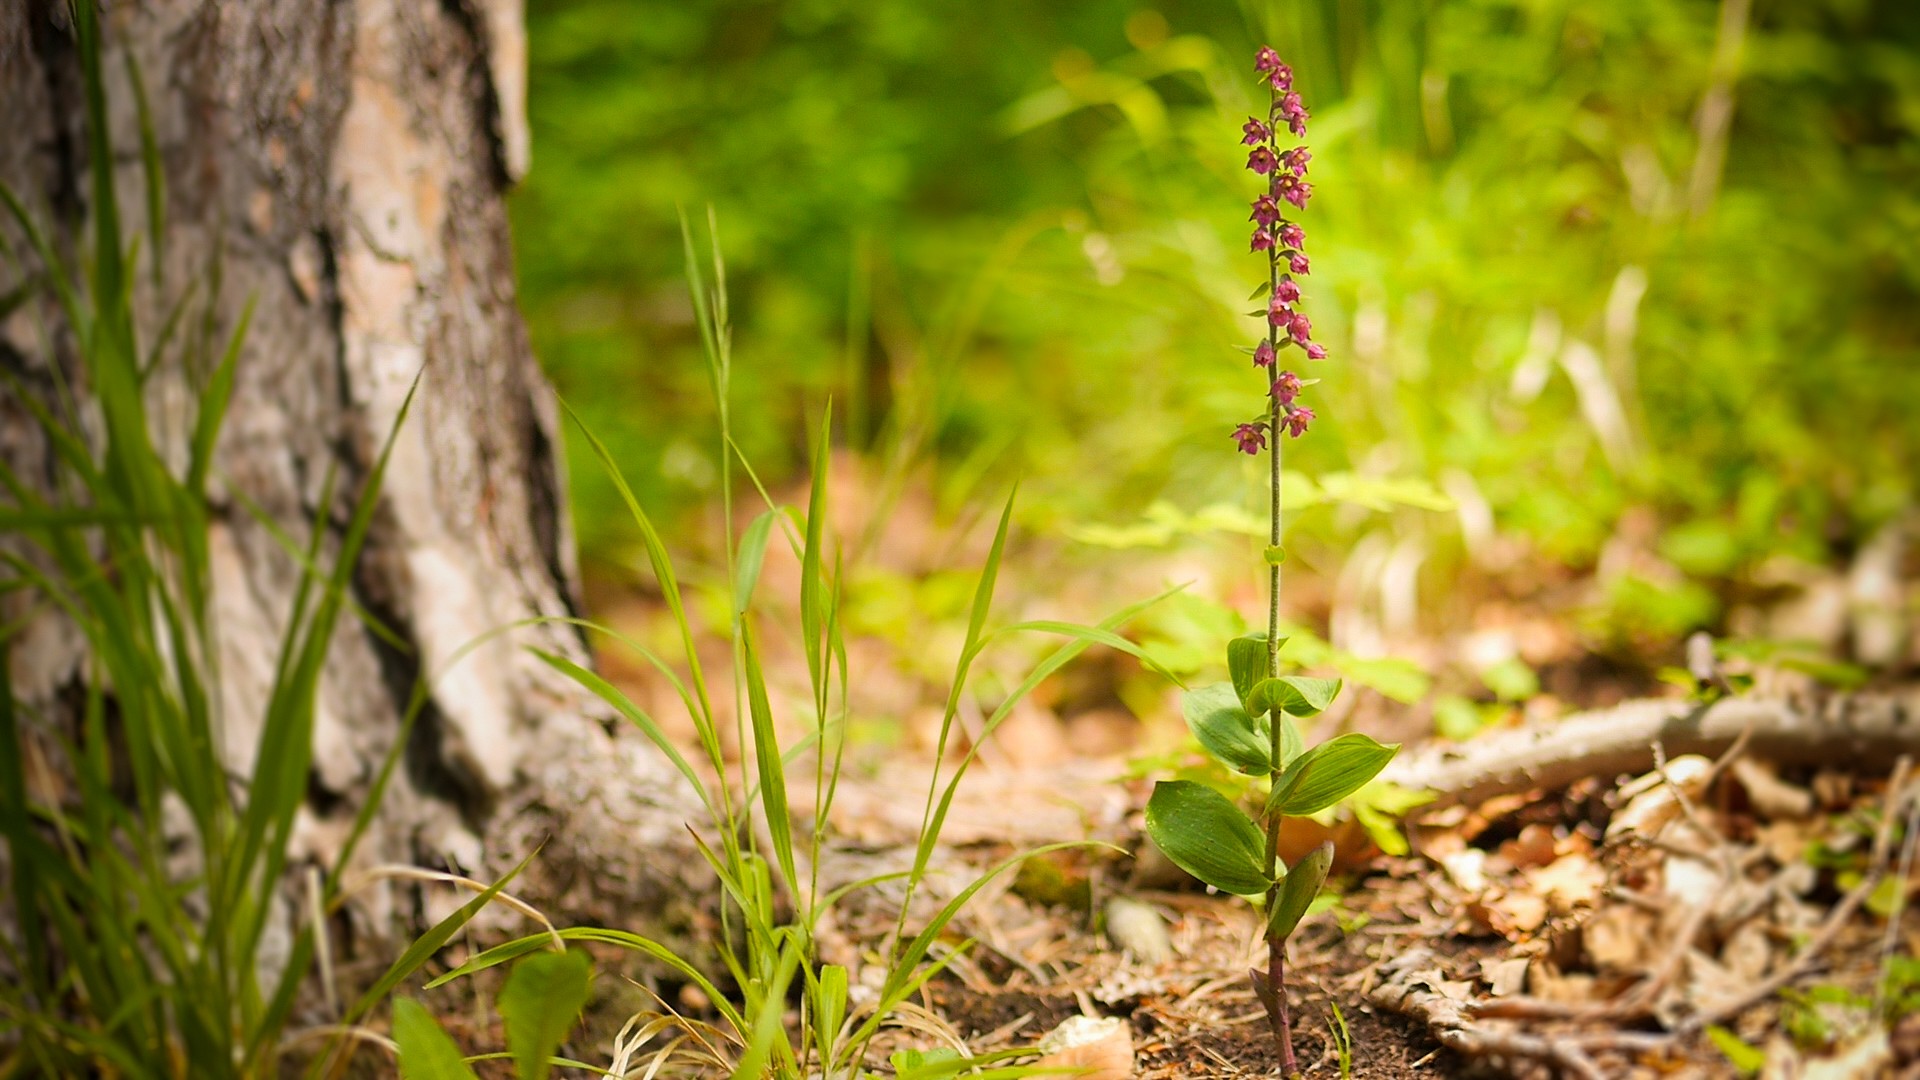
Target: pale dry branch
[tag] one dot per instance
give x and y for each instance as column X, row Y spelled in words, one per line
column 1849, row 729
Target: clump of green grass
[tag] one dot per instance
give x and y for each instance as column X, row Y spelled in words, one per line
column 788, row 1014
column 132, row 956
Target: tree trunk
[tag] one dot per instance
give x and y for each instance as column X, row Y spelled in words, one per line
column 344, row 164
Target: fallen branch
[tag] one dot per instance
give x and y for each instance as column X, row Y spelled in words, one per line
column 1846, row 729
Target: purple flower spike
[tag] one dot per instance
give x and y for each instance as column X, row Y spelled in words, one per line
column 1284, row 241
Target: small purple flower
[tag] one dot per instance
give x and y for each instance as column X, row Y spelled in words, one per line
column 1316, row 352
column 1297, row 421
column 1265, row 211
column 1263, row 354
column 1299, row 327
column 1262, row 240
column 1297, row 263
column 1255, row 132
column 1287, row 291
column 1293, row 236
column 1262, row 160
column 1279, row 76
column 1252, row 438
column 1293, row 189
column 1295, row 113
column 1295, row 160
column 1279, row 313
column 1286, row 387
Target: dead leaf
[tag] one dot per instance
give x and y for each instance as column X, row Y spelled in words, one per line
column 1568, row 883
column 1535, row 846
column 1504, row 977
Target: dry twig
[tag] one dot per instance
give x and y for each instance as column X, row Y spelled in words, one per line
column 1409, row 987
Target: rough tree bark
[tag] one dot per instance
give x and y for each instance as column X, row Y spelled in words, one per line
column 344, row 163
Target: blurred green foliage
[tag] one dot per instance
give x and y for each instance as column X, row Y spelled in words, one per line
column 1571, row 259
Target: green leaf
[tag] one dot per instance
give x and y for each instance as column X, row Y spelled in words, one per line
column 1291, row 744
column 1328, row 773
column 1297, row 891
column 766, row 754
column 1224, row 728
column 1247, row 663
column 829, row 1008
column 542, row 1000
column 1401, row 680
column 1274, row 554
column 938, row 1061
column 1740, row 1054
column 1295, row 695
column 426, row 1052
column 1207, row 836
column 753, row 554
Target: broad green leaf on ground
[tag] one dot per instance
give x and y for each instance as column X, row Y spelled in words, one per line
column 426, row 1052
column 1328, row 773
column 1224, row 728
column 541, row 1002
column 1207, row 836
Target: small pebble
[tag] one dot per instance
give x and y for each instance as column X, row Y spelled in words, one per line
column 1139, row 929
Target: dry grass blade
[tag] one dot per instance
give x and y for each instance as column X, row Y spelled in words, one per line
column 362, row 879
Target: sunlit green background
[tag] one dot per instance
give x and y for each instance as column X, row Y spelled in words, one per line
column 1585, row 267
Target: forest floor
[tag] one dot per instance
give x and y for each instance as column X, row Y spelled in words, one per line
column 1722, row 913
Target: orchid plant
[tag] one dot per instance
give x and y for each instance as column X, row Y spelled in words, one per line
column 1250, row 722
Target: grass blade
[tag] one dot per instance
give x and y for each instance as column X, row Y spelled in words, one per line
column 766, row 751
